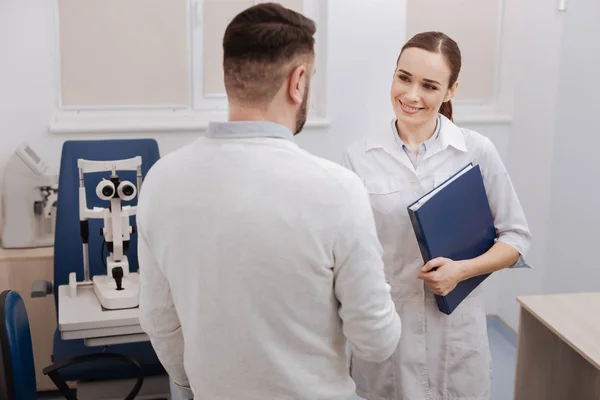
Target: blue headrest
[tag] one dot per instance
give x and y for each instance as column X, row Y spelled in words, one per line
column 68, row 253
column 17, row 352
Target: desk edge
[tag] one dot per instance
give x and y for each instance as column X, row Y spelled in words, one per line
column 595, row 363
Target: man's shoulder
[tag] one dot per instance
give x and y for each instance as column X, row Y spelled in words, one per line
column 163, row 170
column 334, row 174
column 168, row 161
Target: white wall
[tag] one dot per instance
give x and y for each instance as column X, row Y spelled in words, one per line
column 552, row 56
column 571, row 264
column 530, row 62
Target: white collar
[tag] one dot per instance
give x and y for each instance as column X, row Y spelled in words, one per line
column 450, row 135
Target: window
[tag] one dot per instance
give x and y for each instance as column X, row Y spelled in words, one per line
column 155, row 64
column 211, row 18
column 118, row 54
column 475, row 25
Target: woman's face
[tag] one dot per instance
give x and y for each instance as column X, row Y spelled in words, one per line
column 420, row 86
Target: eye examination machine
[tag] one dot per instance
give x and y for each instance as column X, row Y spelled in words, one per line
column 29, row 195
column 119, row 288
column 99, row 303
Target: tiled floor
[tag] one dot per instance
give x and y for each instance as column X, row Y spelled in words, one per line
column 504, row 353
column 503, row 343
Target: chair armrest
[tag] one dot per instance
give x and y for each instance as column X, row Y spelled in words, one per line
column 52, row 372
column 40, row 288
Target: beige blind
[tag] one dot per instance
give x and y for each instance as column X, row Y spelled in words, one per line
column 474, row 24
column 216, row 15
column 124, row 52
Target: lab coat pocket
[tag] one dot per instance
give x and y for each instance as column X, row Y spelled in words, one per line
column 384, row 193
column 467, row 327
column 469, row 374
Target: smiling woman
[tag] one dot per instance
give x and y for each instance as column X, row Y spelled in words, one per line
column 440, row 356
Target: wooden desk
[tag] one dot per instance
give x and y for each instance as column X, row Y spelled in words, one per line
column 558, row 353
column 18, row 269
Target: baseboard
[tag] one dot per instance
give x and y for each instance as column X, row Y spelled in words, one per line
column 505, row 330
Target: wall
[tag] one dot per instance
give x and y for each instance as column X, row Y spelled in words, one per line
column 27, row 75
column 531, row 59
column 571, row 264
column 360, row 67
column 553, row 146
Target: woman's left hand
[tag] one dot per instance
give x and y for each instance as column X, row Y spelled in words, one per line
column 445, row 278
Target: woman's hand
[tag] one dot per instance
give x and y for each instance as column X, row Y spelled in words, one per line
column 444, row 278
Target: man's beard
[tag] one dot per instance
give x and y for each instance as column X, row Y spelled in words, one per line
column 302, row 113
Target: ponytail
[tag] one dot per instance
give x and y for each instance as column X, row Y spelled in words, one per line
column 446, row 110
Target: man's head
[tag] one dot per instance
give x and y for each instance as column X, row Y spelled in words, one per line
column 268, row 58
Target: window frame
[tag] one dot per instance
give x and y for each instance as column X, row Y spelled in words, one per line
column 200, row 108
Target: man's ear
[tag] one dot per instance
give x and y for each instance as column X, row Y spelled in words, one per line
column 451, row 92
column 297, row 83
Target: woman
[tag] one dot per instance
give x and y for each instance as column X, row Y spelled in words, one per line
column 439, row 356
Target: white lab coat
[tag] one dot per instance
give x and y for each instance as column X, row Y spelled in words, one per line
column 439, row 356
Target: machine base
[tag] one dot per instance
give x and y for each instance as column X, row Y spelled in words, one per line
column 113, row 299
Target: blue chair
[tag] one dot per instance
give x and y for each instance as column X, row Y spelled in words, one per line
column 68, row 253
column 17, row 380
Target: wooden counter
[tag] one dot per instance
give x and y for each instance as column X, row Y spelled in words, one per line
column 558, row 354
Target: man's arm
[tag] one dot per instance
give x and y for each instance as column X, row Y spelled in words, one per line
column 371, row 323
column 158, row 317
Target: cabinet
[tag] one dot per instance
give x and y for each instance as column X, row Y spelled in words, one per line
column 558, row 353
column 18, row 269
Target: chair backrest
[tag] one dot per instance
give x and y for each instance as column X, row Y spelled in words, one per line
column 17, row 351
column 68, row 253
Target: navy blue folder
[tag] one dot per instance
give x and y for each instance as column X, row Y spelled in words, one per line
column 454, row 220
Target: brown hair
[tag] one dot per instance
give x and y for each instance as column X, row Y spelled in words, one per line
column 258, row 46
column 438, row 42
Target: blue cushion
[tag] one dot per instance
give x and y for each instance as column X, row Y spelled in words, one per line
column 142, row 352
column 16, row 347
column 68, row 253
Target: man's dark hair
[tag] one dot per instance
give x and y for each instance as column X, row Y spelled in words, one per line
column 258, row 47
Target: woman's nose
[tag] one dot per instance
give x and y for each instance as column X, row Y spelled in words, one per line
column 412, row 93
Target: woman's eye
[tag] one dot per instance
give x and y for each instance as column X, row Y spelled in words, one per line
column 403, row 78
column 430, row 87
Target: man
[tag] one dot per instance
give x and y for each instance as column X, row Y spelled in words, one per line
column 258, row 260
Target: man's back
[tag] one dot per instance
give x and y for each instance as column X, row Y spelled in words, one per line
column 246, row 231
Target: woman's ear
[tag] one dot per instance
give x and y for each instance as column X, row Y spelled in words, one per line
column 451, row 91
column 297, row 84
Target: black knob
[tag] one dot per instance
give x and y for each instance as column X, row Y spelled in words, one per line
column 117, row 274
